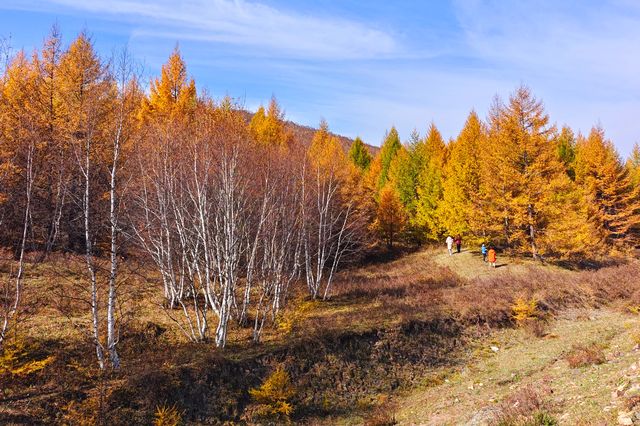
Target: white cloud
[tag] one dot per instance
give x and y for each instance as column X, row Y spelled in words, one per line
column 557, row 40
column 260, row 28
column 582, row 58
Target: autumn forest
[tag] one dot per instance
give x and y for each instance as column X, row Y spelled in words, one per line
column 230, row 214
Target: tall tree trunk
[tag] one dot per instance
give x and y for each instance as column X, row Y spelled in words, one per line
column 89, row 256
column 13, row 308
column 532, row 232
column 113, row 270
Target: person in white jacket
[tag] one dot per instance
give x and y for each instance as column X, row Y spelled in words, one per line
column 450, row 245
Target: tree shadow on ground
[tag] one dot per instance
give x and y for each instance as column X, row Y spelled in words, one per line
column 590, row 264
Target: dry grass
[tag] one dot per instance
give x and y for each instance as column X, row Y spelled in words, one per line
column 380, row 417
column 535, row 327
column 529, row 406
column 580, row 395
column 394, row 297
column 585, row 355
column 383, row 414
column 416, row 286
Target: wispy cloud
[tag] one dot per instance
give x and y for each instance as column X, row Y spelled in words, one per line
column 582, row 57
column 259, row 28
column 579, row 40
column 365, row 66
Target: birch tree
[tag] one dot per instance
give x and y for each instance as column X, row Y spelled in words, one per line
column 277, row 232
column 328, row 230
column 18, row 136
column 163, row 221
column 86, row 88
column 120, row 131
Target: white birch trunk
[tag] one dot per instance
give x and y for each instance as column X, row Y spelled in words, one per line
column 10, row 313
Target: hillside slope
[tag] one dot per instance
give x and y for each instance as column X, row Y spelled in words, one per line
column 304, row 135
column 512, row 376
column 409, row 339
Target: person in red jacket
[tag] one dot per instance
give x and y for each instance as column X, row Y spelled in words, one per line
column 492, row 257
column 458, row 241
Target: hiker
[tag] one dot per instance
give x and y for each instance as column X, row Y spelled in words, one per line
column 492, row 257
column 458, row 242
column 483, row 250
column 450, row 245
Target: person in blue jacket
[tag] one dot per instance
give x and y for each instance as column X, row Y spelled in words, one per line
column 484, row 250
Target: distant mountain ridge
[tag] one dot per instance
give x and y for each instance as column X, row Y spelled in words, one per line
column 304, row 134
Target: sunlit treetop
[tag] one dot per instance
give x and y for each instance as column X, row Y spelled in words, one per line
column 268, row 127
column 172, row 94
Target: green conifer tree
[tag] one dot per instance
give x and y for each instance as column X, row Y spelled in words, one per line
column 359, row 154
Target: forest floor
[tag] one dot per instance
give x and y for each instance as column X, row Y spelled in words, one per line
column 426, row 338
column 510, row 377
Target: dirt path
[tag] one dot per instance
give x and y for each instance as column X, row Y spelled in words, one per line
column 469, row 264
column 513, row 359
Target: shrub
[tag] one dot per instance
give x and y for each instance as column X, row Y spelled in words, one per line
column 632, row 403
column 525, row 311
column 380, row 417
column 286, row 322
column 433, row 380
column 529, row 406
column 166, row 415
column 273, row 396
column 535, row 327
column 15, row 362
column 382, row 414
column 582, row 356
column 542, row 418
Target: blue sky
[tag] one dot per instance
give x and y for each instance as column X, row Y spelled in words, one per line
column 367, row 65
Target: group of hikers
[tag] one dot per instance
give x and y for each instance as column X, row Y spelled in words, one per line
column 488, row 254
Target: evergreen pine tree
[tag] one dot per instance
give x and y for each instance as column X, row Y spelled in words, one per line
column 566, row 143
column 359, row 154
column 402, row 177
column 388, row 151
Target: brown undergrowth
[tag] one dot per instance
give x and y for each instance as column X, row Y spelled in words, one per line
column 422, row 287
column 528, row 406
column 585, row 355
column 383, row 327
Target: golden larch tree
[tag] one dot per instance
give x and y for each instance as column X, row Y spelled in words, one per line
column 173, row 94
column 391, row 216
column 431, row 155
column 461, row 211
column 528, row 190
column 633, row 165
column 19, row 143
column 612, row 198
column 269, row 127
